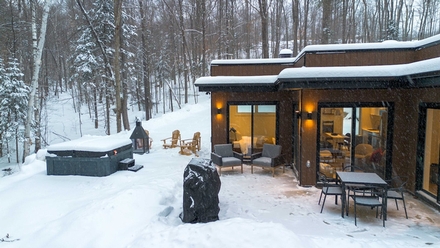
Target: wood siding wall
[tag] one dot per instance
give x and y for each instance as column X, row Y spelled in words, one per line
column 359, row 58
column 428, row 53
column 248, row 70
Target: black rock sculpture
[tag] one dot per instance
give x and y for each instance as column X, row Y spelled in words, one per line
column 201, row 185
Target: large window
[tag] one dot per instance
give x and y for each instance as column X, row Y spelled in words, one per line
column 353, row 136
column 251, row 125
column 431, row 159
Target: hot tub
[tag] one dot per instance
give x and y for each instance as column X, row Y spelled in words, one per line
column 88, row 156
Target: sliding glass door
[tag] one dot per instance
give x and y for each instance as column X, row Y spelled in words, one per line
column 352, row 135
column 431, row 158
column 252, row 125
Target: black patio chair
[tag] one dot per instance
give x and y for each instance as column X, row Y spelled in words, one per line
column 372, row 200
column 328, row 188
column 396, row 193
column 355, row 187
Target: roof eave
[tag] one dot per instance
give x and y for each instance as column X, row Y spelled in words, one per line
column 343, row 83
column 238, row 88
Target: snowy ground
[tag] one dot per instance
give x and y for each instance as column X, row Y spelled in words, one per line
column 128, row 209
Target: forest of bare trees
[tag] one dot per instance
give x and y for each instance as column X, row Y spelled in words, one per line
column 116, row 55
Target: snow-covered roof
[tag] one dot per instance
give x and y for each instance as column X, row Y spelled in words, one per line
column 328, row 73
column 419, row 67
column 93, row 143
column 323, row 74
column 388, row 44
column 234, row 80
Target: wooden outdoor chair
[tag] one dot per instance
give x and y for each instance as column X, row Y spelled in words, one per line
column 190, row 145
column 173, row 141
column 151, row 140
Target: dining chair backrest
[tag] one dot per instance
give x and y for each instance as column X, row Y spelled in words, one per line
column 352, row 168
column 322, row 178
column 397, row 182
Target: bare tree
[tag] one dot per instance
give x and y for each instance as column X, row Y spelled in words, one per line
column 38, row 44
column 264, row 17
column 116, row 59
column 295, row 18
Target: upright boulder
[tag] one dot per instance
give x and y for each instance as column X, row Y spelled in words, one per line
column 201, row 185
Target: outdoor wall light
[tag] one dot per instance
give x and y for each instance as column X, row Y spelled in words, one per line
column 309, row 115
column 298, row 114
column 219, row 111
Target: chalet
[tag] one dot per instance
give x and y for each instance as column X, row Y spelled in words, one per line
column 375, row 106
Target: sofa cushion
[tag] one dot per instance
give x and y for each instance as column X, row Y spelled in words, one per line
column 262, row 161
column 231, row 161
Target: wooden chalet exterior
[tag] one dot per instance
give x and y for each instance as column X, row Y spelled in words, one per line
column 333, row 98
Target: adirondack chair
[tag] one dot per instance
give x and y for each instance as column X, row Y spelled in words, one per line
column 151, row 140
column 190, row 145
column 173, row 141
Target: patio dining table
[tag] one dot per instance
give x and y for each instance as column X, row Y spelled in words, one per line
column 361, row 178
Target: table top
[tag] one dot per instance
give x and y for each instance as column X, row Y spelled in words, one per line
column 337, row 136
column 360, row 178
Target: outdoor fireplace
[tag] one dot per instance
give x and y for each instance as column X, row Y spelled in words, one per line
column 140, row 139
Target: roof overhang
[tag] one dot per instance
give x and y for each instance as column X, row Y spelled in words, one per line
column 346, row 83
column 419, row 74
column 362, row 77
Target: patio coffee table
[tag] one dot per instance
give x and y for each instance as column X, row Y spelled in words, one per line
column 361, row 178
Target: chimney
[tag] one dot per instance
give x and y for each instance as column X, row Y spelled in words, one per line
column 286, row 53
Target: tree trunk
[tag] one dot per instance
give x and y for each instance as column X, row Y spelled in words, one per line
column 344, row 21
column 117, row 4
column 38, row 44
column 107, row 110
column 145, row 73
column 306, row 17
column 184, row 50
column 95, row 105
column 326, row 14
column 264, row 27
column 295, row 18
column 124, row 106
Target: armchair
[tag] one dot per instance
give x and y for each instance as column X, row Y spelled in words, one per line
column 190, row 145
column 173, row 141
column 224, row 156
column 270, row 158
